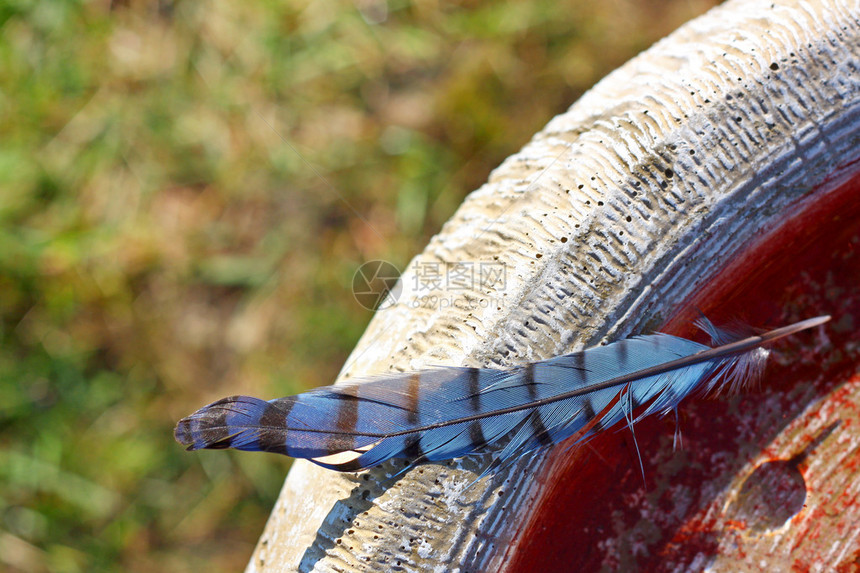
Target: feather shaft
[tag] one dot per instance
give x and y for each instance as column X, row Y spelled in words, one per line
column 447, row 412
column 732, row 348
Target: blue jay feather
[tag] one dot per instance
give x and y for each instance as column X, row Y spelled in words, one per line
column 447, row 412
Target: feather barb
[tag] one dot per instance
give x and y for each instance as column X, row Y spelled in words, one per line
column 447, row 412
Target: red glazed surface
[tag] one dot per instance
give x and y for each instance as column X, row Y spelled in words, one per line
column 595, row 512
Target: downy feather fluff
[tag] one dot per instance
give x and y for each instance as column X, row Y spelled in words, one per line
column 446, row 412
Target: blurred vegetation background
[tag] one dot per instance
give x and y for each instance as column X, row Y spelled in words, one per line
column 186, row 189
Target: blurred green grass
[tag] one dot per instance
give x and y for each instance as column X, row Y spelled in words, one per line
column 186, row 190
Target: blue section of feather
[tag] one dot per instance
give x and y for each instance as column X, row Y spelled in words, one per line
column 448, row 412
